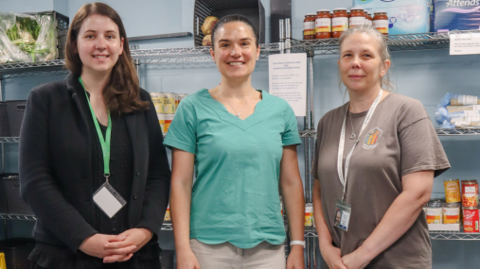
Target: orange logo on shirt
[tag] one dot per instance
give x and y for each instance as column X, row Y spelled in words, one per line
column 372, row 138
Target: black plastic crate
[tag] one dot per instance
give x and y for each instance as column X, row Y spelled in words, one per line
column 3, row 198
column 4, row 125
column 252, row 9
column 16, row 252
column 62, row 23
column 15, row 203
column 16, row 111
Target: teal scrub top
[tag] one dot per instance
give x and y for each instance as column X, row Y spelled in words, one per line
column 235, row 197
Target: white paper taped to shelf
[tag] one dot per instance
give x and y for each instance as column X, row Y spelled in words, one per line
column 464, row 44
column 288, row 80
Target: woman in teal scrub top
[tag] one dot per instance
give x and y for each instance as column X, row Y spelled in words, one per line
column 242, row 144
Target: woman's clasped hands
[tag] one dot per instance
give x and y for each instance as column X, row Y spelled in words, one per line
column 116, row 248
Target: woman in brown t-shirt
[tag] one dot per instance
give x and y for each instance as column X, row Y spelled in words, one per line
column 368, row 205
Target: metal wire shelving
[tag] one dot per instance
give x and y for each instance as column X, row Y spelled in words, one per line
column 406, row 42
column 434, row 235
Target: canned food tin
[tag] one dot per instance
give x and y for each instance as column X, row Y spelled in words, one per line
column 469, row 193
column 470, row 219
column 161, row 120
column 452, row 190
column 434, row 212
column 167, row 215
column 178, row 98
column 451, row 213
column 308, row 215
column 168, row 121
column 157, row 103
column 169, row 103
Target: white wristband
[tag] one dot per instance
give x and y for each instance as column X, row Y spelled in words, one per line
column 297, row 242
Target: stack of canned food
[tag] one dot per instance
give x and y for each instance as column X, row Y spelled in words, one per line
column 166, row 105
column 309, row 220
column 326, row 24
column 457, row 197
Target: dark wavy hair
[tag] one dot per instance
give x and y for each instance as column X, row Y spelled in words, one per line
column 122, row 92
column 233, row 18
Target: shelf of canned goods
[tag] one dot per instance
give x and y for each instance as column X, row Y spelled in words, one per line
column 434, row 235
column 406, row 42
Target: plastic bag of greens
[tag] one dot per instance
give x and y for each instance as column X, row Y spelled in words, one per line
column 27, row 38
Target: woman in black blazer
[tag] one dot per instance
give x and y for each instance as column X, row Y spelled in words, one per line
column 64, row 142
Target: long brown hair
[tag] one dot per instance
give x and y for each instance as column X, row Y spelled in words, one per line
column 122, row 92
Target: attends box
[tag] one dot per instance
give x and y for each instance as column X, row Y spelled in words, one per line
column 448, row 15
column 406, row 16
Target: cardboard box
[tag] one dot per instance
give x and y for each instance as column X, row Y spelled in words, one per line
column 405, row 17
column 448, row 15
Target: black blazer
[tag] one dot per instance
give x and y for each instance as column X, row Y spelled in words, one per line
column 55, row 165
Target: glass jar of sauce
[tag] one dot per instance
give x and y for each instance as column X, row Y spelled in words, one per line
column 339, row 22
column 309, row 26
column 357, row 17
column 380, row 22
column 368, row 19
column 323, row 24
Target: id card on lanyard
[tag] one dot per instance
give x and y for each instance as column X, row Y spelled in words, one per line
column 106, row 197
column 343, row 210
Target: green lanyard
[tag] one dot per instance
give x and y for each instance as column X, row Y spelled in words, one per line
column 105, row 143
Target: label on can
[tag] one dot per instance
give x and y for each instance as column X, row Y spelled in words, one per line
column 470, row 194
column 169, row 105
column 168, row 121
column 434, row 215
column 452, row 191
column 161, row 121
column 356, row 21
column 381, row 26
column 470, row 220
column 157, row 102
column 308, row 216
column 323, row 25
column 451, row 215
column 339, row 24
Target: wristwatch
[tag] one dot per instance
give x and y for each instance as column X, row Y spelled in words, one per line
column 297, row 242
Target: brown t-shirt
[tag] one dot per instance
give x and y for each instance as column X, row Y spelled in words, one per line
column 399, row 140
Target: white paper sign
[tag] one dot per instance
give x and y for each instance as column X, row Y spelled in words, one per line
column 288, row 80
column 464, row 44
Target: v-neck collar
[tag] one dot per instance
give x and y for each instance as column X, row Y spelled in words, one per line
column 225, row 115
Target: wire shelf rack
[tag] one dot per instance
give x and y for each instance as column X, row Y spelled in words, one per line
column 406, row 42
column 144, row 56
column 310, row 232
column 9, row 139
column 447, row 235
column 193, row 54
column 434, row 235
column 464, row 131
column 17, row 217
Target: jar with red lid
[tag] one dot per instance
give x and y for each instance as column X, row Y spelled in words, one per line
column 339, row 22
column 309, row 26
column 380, row 22
column 368, row 19
column 357, row 17
column 323, row 24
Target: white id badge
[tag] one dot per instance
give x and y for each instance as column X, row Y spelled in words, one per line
column 342, row 215
column 108, row 200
